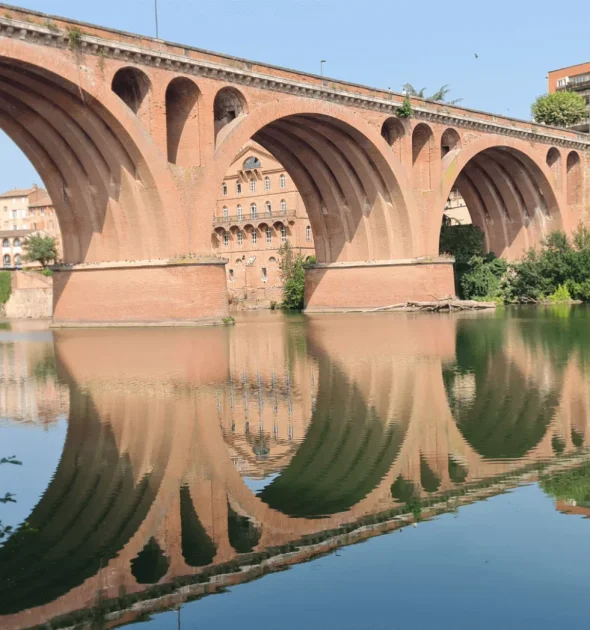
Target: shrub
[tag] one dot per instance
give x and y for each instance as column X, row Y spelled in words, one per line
column 483, row 278
column 291, row 266
column 228, row 321
column 560, row 109
column 561, row 295
column 463, row 242
column 405, row 110
column 5, row 286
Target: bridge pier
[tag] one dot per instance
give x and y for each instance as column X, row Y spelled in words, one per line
column 140, row 293
column 350, row 285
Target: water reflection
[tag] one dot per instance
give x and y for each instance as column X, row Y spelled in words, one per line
column 346, row 424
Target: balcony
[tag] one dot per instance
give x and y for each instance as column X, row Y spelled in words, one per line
column 244, row 219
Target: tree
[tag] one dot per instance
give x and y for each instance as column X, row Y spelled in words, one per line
column 291, row 266
column 40, row 248
column 560, row 109
column 439, row 96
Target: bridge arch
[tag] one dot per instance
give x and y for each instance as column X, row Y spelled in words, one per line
column 91, row 152
column 510, row 191
column 354, row 189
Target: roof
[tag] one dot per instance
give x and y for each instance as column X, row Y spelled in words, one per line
column 44, row 201
column 577, row 65
column 17, row 192
column 14, row 233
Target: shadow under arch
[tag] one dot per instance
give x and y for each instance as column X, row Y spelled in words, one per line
column 91, row 509
column 346, row 453
column 501, row 412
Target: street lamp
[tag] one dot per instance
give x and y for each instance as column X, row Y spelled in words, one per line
column 322, row 62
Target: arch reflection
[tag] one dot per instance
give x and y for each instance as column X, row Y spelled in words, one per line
column 350, row 421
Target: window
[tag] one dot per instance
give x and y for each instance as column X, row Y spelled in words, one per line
column 16, row 242
column 225, row 212
column 240, row 237
column 51, row 225
column 231, row 275
column 5, row 208
column 23, row 212
column 224, row 189
column 272, row 260
column 268, row 235
column 264, row 277
column 252, row 185
column 226, row 239
column 253, row 210
column 15, row 213
column 268, row 209
column 5, row 243
column 283, row 181
column 239, row 212
column 283, row 234
column 251, row 163
column 308, row 234
column 267, row 183
column 17, row 261
column 7, row 260
column 254, row 237
column 239, row 188
column 283, row 206
column 15, row 227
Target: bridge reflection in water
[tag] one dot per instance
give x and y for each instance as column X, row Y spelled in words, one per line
column 347, row 426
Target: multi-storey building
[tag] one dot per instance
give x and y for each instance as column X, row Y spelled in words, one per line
column 258, row 210
column 575, row 79
column 23, row 212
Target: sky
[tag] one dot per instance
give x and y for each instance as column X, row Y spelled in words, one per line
column 377, row 43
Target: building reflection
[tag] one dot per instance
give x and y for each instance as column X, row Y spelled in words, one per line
column 356, row 424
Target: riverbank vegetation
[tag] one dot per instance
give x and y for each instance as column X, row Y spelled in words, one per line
column 291, row 266
column 5, row 286
column 556, row 272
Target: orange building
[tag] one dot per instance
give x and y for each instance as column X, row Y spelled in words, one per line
column 258, row 210
column 575, row 79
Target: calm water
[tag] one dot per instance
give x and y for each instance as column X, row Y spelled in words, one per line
column 169, row 477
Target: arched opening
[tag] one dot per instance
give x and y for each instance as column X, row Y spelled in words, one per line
column 422, row 145
column 229, row 104
column 450, row 141
column 574, row 179
column 132, row 86
column 554, row 163
column 393, row 131
column 182, row 122
column 150, row 565
column 507, row 195
column 7, row 261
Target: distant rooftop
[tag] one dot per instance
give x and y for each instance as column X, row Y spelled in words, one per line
column 45, row 200
column 19, row 192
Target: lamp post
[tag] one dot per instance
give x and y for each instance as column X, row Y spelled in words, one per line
column 156, row 14
column 322, row 62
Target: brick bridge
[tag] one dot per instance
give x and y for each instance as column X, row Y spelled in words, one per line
column 132, row 137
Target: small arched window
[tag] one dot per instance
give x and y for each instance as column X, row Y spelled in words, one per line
column 5, row 243
column 272, row 260
column 268, row 208
column 239, row 212
column 226, row 239
column 239, row 188
column 268, row 235
column 253, row 210
column 252, row 185
column 254, row 237
column 225, row 212
column 283, row 181
column 17, row 261
column 16, row 242
column 283, row 235
column 224, row 189
column 251, row 163
column 308, row 234
column 267, row 183
column 283, row 206
column 240, row 237
column 6, row 260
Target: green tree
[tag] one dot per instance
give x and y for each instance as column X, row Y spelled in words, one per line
column 560, row 109
column 291, row 266
column 40, row 248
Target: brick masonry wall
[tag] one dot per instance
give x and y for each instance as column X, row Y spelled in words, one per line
column 145, row 295
column 30, row 303
column 372, row 286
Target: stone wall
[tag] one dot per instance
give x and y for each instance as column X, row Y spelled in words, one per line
column 31, row 298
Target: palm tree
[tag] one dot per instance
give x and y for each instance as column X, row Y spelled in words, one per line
column 440, row 96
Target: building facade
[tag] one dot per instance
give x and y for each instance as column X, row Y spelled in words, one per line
column 23, row 212
column 575, row 79
column 258, row 210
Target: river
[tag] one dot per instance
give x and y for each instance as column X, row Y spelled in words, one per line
column 214, row 477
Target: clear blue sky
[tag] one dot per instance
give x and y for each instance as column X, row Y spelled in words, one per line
column 376, row 42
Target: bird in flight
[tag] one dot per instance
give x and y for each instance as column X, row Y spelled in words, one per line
column 476, row 55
